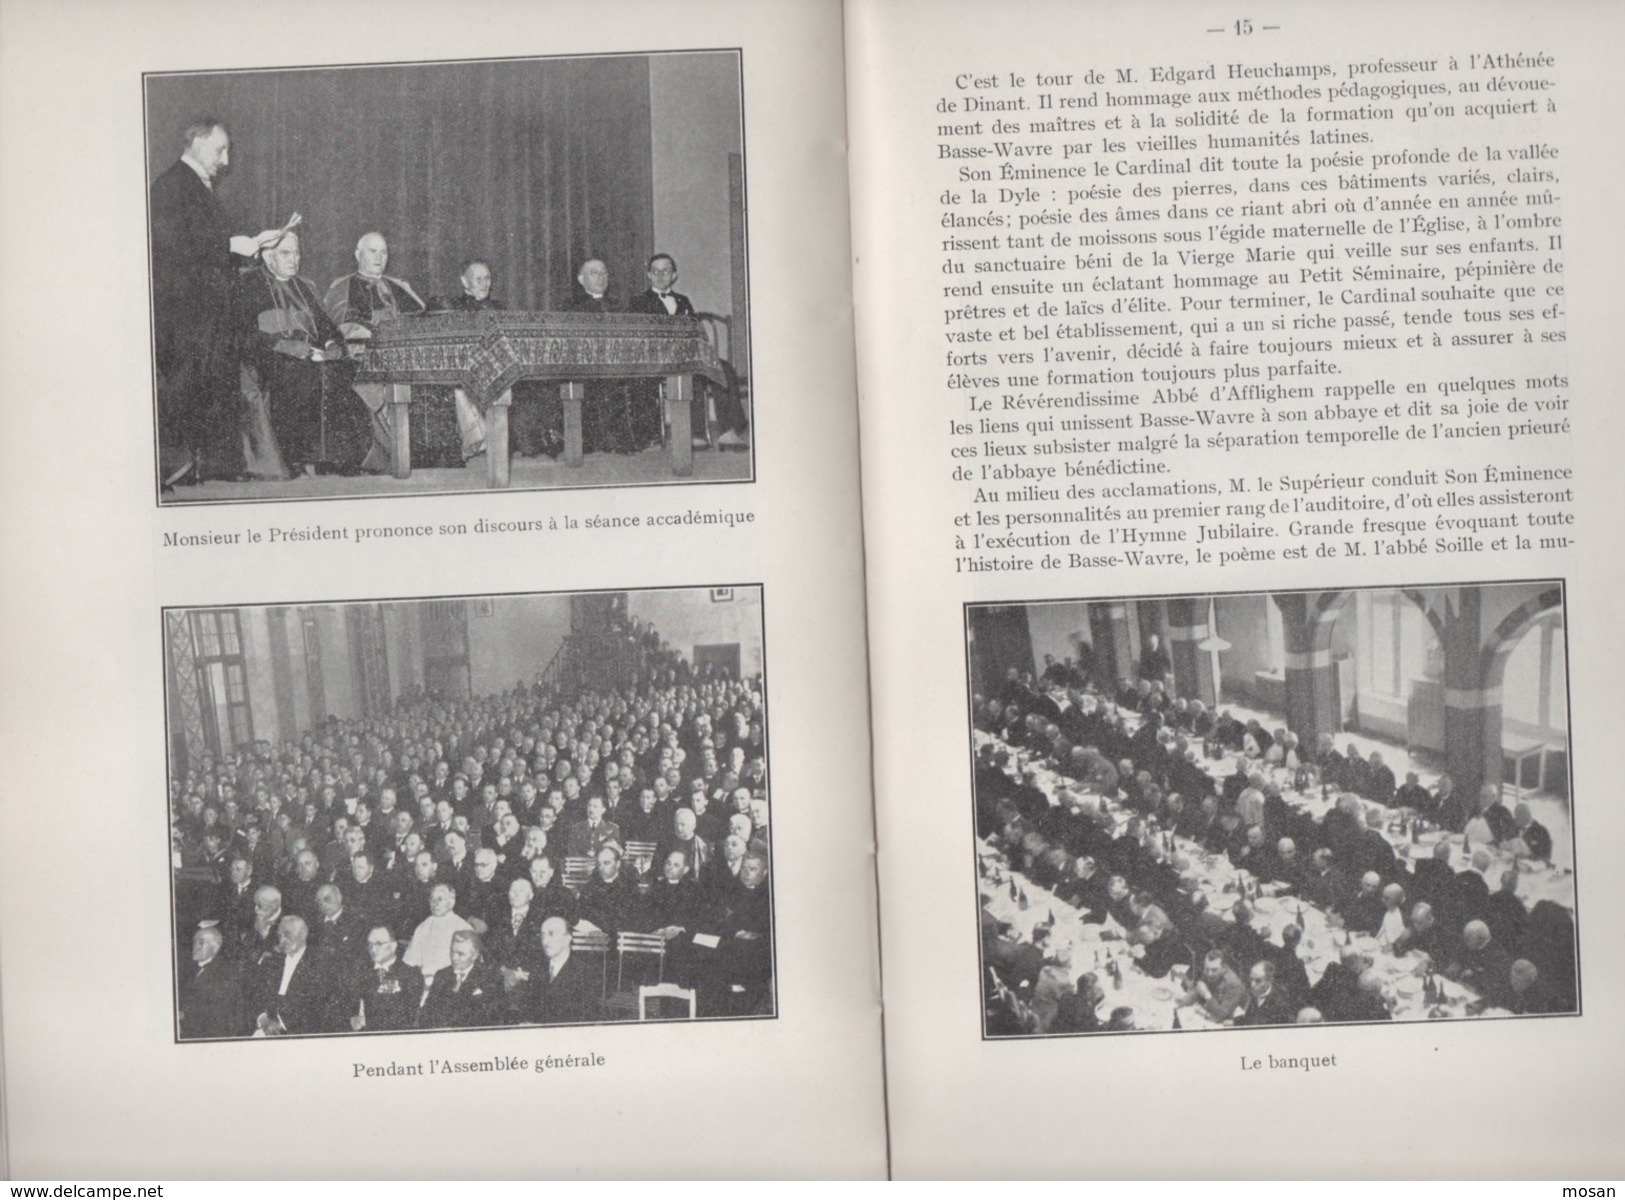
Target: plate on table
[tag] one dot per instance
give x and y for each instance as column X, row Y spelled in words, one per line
column 1163, row 993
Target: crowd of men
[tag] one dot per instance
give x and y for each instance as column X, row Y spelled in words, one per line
column 409, row 871
column 256, row 368
column 1142, row 749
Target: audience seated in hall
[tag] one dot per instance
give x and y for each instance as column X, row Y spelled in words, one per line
column 406, row 870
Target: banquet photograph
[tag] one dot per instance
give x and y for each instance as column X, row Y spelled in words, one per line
column 1200, row 812
column 469, row 812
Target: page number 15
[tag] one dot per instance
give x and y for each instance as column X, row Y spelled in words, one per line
column 1243, row 27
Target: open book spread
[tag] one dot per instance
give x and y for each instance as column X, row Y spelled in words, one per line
column 846, row 589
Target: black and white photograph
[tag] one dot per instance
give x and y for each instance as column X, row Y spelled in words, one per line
column 1199, row 812
column 378, row 280
column 469, row 812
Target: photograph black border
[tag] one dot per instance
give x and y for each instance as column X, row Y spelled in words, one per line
column 1559, row 582
column 174, row 952
column 486, row 490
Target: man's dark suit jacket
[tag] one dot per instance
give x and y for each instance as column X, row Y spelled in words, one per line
column 569, row 998
column 194, row 274
column 1275, row 1010
column 305, row 1006
column 507, row 948
column 649, row 302
column 193, row 268
column 477, row 1003
column 213, row 1004
column 391, row 999
column 344, row 939
column 580, row 301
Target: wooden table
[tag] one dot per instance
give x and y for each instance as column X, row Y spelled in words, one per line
column 486, row 353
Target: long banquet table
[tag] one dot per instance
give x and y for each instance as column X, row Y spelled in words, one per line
column 1080, row 946
column 486, row 353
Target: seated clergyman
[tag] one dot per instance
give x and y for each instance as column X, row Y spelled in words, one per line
column 294, row 373
column 357, row 302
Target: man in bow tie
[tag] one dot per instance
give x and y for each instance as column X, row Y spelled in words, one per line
column 662, row 300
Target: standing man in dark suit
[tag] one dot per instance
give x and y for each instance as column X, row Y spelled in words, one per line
column 194, row 270
column 212, row 1000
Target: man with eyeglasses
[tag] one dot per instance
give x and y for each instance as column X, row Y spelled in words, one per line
column 385, row 995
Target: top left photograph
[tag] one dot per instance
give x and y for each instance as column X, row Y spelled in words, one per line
column 386, row 280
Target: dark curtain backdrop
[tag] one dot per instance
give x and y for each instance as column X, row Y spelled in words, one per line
column 1001, row 638
column 532, row 165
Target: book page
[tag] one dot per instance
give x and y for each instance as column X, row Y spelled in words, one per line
column 435, row 730
column 1239, row 459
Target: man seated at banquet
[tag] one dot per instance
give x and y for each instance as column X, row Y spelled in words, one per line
column 1433, row 879
column 1159, row 948
column 1393, row 926
column 1380, row 784
column 1503, row 825
column 1426, row 935
column 467, row 993
column 1336, row 992
column 385, row 993
column 1504, row 911
column 1266, row 1003
column 1477, row 831
column 357, row 303
column 1533, row 840
column 1363, row 912
column 1449, row 809
column 1217, row 991
column 303, row 416
column 1367, row 1002
column 1075, row 1010
column 1290, row 973
column 1482, row 964
column 1527, row 992
column 1411, row 794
